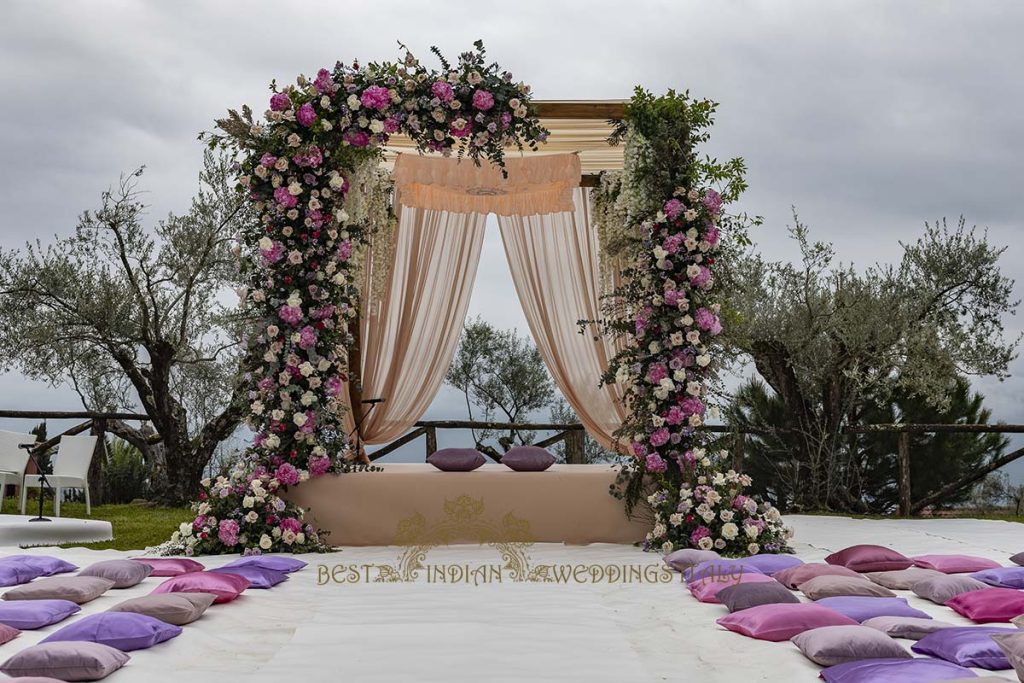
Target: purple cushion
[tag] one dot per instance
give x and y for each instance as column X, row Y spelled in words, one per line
column 456, row 459
column 706, row 590
column 869, row 558
column 861, row 608
column 943, row 588
column 768, row 563
column 124, row 573
column 528, row 459
column 954, row 564
column 14, row 574
column 124, row 630
column 257, row 576
column 831, row 645
column 277, row 563
column 42, row 565
column 912, row 628
column 170, row 566
column 966, row 646
column 747, row 595
column 1003, row 577
column 991, row 604
column 894, row 671
column 31, row 614
column 722, row 569
column 69, row 661
column 781, row 622
column 687, row 557
column 225, row 586
column 1018, row 559
column 794, row 576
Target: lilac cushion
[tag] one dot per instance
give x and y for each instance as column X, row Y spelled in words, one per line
column 902, row 579
column 894, row 671
column 706, row 590
column 226, row 587
column 80, row 589
column 124, row 573
column 687, row 557
column 124, row 630
column 794, row 576
column 528, row 459
column 1003, row 577
column 8, row 633
column 966, row 646
column 1013, row 647
column 172, row 608
column 31, row 614
column 991, row 604
column 828, row 586
column 42, row 565
column 954, row 564
column 14, row 574
column 751, row 594
column 861, row 608
column 170, row 566
column 781, row 622
column 257, row 576
column 831, row 645
column 912, row 628
column 277, row 563
column 941, row 589
column 769, row 563
column 869, row 558
column 456, row 459
column 1018, row 559
column 722, row 569
column 69, row 661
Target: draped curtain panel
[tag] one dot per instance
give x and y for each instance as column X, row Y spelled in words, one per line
column 409, row 333
column 556, row 269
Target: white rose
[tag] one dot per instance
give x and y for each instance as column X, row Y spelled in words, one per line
column 377, row 126
column 729, row 531
column 266, row 542
column 299, row 419
column 703, row 360
column 705, row 543
column 294, row 189
column 251, row 517
column 266, row 244
column 248, row 502
column 353, row 102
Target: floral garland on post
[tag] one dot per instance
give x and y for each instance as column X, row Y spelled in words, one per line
column 669, row 312
column 306, row 169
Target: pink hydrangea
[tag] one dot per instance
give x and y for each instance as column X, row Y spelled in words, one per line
column 483, row 100
column 390, row 125
column 312, row 157
column 345, row 250
column 639, row 450
column 673, row 297
column 713, row 202
column 285, row 198
column 323, row 83
column 198, row 522
column 268, row 160
column 280, row 101
column 739, row 502
column 287, row 474
column 675, row 415
column 306, row 115
column 654, row 463
column 318, row 466
column 272, row 255
column 672, row 243
column 375, row 97
column 357, row 138
column 656, row 373
column 442, row 90
column 660, row 437
column 711, row 236
column 699, row 533
column 691, row 405
column 290, row 314
column 307, row 337
column 462, row 132
column 708, row 321
column 702, row 278
column 333, row 385
column 291, row 524
column 227, row 532
column 673, row 208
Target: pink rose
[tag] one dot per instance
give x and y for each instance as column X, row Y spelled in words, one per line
column 375, row 97
column 280, row 101
column 483, row 100
column 442, row 90
column 659, row 437
column 287, row 474
column 654, row 463
column 305, row 115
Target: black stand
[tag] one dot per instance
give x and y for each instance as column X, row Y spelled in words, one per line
column 372, row 402
column 43, row 481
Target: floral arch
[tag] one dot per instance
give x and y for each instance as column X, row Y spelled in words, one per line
column 310, row 173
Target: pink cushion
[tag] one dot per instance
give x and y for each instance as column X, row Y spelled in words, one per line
column 780, row 622
column 226, row 587
column 170, row 566
column 794, row 576
column 706, row 590
column 8, row 633
column 990, row 604
column 954, row 564
column 869, row 558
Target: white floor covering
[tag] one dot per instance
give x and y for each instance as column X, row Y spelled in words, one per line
column 301, row 631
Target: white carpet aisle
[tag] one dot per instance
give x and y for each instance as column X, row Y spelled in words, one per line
column 300, row 631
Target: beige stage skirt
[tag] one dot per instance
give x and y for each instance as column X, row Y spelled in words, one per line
column 417, row 504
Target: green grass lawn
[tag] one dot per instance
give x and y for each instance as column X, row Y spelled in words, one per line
column 135, row 526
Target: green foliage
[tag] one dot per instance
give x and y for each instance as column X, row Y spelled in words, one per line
column 125, row 473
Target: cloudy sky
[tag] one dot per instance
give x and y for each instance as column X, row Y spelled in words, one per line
column 868, row 117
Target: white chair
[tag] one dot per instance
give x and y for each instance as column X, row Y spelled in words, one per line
column 13, row 460
column 70, row 471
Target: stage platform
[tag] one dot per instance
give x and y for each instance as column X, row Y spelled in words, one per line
column 17, row 530
column 413, row 504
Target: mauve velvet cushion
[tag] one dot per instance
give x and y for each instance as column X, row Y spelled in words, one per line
column 718, row 569
column 832, row 586
column 456, row 459
column 226, row 587
column 1003, row 577
column 1018, row 559
column 32, row 614
column 770, row 564
column 794, row 576
column 861, row 608
column 687, row 557
column 912, row 628
column 781, row 622
column 8, row 633
column 831, row 645
column 528, row 459
column 79, row 589
column 42, row 565
column 706, row 590
column 124, row 630
column 170, row 566
column 989, row 605
column 869, row 558
column 747, row 595
column 68, row 661
column 258, row 577
column 966, row 646
column 954, row 564
column 1013, row 647
column 172, row 608
column 894, row 671
column 943, row 588
column 124, row 573
column 902, row 579
column 277, row 563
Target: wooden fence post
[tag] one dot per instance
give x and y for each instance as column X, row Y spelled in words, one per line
column 431, row 441
column 99, row 456
column 903, row 457
column 574, row 447
column 739, row 441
